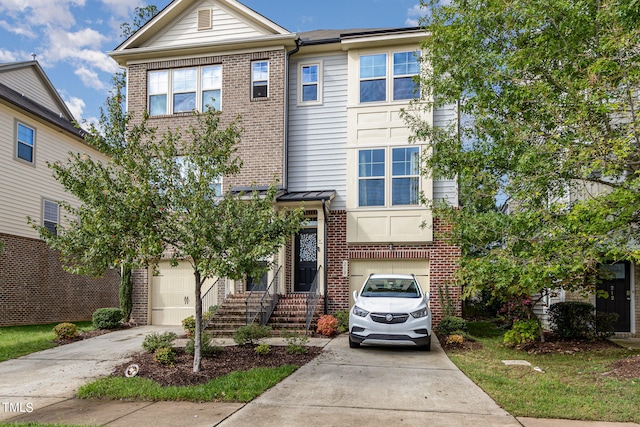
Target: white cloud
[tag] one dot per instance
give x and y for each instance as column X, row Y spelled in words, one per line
column 17, row 29
column 90, row 78
column 41, row 12
column 6, row 56
column 76, row 106
column 413, row 16
column 122, row 8
column 83, row 46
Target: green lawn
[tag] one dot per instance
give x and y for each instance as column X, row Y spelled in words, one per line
column 16, row 341
column 571, row 387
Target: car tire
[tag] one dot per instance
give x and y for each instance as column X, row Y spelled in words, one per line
column 353, row 344
column 427, row 346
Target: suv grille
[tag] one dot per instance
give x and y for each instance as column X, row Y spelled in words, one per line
column 394, row 317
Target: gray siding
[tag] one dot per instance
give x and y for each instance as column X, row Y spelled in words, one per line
column 446, row 189
column 318, row 133
column 27, row 82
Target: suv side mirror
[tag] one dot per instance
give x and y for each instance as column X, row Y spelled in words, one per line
column 355, row 295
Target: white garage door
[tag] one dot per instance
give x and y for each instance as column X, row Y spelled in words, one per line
column 173, row 293
column 359, row 270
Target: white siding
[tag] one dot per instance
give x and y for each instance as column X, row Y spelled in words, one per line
column 318, row 133
column 445, row 189
column 226, row 26
column 22, row 185
column 27, row 82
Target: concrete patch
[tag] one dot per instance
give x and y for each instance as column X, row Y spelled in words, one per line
column 179, row 414
column 516, row 362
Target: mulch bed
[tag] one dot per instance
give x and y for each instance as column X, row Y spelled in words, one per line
column 229, row 359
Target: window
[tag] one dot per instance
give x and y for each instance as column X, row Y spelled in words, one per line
column 404, row 174
column 374, row 76
column 211, row 87
column 259, row 79
column 185, row 165
column 184, row 90
column 405, row 182
column 50, row 213
column 371, row 171
column 405, row 67
column 310, row 83
column 25, row 140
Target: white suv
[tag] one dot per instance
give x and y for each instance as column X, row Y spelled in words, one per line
column 391, row 309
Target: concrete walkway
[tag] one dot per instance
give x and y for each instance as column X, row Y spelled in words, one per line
column 369, row 386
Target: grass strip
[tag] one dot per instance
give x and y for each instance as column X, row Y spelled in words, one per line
column 235, row 387
column 16, row 341
column 572, row 386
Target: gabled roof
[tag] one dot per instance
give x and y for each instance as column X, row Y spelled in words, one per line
column 31, row 107
column 51, row 90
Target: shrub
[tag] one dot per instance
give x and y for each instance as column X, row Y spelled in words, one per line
column 343, row 320
column 164, row 356
column 327, row 325
column 517, row 308
column 455, row 339
column 189, row 325
column 65, row 331
column 107, row 318
column 605, row 324
column 572, row 319
column 523, row 331
column 295, row 343
column 251, row 334
column 155, row 341
column 450, row 324
column 208, row 347
column 263, row 349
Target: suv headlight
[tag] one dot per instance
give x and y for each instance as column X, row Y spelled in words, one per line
column 420, row 313
column 360, row 312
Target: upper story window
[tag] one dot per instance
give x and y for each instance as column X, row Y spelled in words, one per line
column 259, row 79
column 401, row 180
column 375, row 82
column 50, row 216
column 25, row 142
column 309, row 87
column 185, row 90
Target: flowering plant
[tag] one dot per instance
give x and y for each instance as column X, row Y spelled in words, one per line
column 327, row 325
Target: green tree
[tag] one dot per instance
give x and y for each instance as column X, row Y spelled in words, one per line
column 546, row 150
column 141, row 15
column 157, row 195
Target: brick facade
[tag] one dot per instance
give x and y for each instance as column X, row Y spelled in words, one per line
column 442, row 257
column 262, row 120
column 34, row 289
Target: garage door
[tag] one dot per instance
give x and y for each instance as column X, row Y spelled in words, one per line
column 173, row 293
column 359, row 270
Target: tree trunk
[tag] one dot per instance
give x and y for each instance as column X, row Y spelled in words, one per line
column 197, row 353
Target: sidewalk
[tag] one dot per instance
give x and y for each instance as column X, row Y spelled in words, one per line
column 368, row 386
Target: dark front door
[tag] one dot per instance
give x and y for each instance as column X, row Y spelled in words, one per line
column 306, row 259
column 617, row 283
column 257, row 284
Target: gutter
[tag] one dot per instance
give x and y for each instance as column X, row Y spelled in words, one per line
column 285, row 161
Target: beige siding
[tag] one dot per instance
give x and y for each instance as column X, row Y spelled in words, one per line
column 27, row 82
column 24, row 185
column 226, row 26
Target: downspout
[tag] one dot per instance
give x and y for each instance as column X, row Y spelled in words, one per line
column 285, row 159
column 324, row 255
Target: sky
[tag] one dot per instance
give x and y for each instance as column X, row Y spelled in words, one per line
column 70, row 38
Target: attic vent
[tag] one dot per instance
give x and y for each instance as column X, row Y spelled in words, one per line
column 204, row 19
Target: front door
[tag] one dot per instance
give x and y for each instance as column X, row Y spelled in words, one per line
column 306, row 259
column 617, row 284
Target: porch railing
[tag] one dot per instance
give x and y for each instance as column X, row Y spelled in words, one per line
column 313, row 297
column 264, row 308
column 209, row 298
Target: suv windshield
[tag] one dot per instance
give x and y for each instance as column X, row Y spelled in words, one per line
column 394, row 288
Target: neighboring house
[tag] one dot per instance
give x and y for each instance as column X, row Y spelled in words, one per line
column 321, row 114
column 36, row 127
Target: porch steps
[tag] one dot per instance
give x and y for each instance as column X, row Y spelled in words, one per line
column 231, row 314
column 290, row 314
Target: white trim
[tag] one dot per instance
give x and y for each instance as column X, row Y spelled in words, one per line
column 16, row 143
column 319, row 82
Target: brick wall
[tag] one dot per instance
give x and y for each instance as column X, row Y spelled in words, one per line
column 34, row 289
column 442, row 258
column 140, row 296
column 262, row 120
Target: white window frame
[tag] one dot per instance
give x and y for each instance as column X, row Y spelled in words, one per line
column 317, row 83
column 53, row 207
column 389, row 77
column 393, row 176
column 259, row 79
column 18, row 142
column 169, row 92
column 388, row 177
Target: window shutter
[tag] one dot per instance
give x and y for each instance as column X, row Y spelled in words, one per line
column 204, row 19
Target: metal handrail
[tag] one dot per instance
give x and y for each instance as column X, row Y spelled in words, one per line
column 266, row 306
column 312, row 300
column 209, row 298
